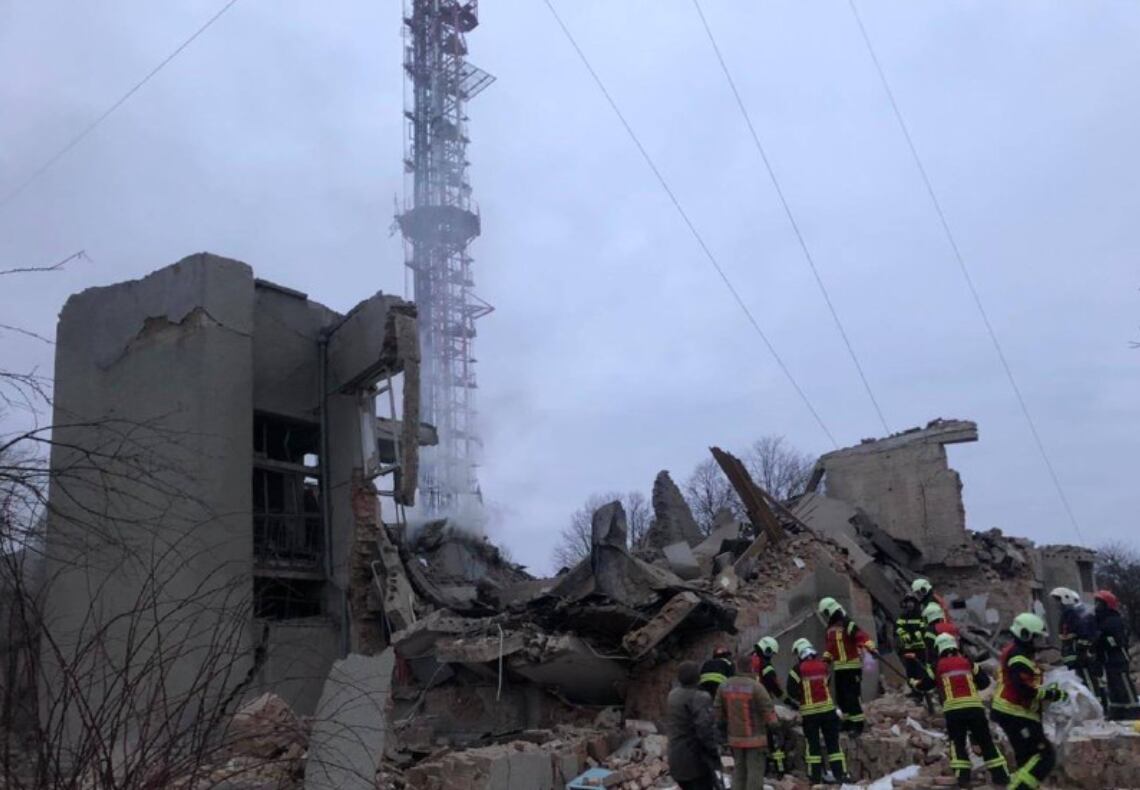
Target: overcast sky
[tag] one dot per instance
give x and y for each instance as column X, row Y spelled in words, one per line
column 615, row 351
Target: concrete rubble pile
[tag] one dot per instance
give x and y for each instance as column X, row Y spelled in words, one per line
column 488, row 654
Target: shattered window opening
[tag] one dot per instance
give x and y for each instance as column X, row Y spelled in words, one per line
column 288, row 528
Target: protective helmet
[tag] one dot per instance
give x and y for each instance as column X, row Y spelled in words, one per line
column 829, row 607
column 933, row 612
column 802, row 647
column 768, row 646
column 1027, row 627
column 722, row 652
column 1065, row 596
column 1108, row 598
column 921, row 587
column 944, row 643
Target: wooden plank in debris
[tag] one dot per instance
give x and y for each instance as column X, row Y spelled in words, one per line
column 755, row 504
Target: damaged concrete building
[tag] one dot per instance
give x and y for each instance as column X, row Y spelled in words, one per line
column 211, row 432
column 236, row 427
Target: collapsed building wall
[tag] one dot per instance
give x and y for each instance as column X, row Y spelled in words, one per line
column 905, row 485
column 208, row 429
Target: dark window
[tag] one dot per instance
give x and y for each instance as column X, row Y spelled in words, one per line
column 1085, row 569
column 285, row 599
column 288, row 531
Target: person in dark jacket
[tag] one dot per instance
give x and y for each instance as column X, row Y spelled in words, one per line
column 716, row 670
column 1111, row 649
column 691, row 726
column 1078, row 633
column 910, row 643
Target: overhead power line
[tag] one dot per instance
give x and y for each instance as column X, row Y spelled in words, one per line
column 965, row 270
column 689, row 223
column 77, row 139
column 791, row 217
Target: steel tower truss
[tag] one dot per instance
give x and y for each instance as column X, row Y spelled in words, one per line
column 438, row 225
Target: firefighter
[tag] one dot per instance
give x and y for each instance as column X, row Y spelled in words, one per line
column 910, row 642
column 809, row 694
column 846, row 642
column 1078, row 633
column 762, row 656
column 936, row 625
column 1111, row 649
column 716, row 670
column 1019, row 699
column 957, row 680
column 926, row 596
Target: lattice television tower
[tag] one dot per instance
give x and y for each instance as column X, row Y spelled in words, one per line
column 438, row 225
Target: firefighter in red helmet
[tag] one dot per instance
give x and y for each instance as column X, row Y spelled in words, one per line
column 1111, row 651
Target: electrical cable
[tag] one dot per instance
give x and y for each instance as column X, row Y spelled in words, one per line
column 791, row 217
column 107, row 113
column 689, row 223
column 965, row 271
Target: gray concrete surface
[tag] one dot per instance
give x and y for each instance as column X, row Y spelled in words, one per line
column 350, row 726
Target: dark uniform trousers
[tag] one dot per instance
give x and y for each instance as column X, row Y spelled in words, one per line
column 971, row 723
column 823, row 727
column 849, row 698
column 1034, row 754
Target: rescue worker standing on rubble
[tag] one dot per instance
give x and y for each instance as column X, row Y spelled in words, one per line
column 810, row 694
column 957, row 680
column 690, row 725
column 1019, row 699
column 746, row 712
column 846, row 642
column 1111, row 648
column 1078, row 633
column 716, row 670
column 910, row 643
column 936, row 625
column 926, row 596
column 762, row 667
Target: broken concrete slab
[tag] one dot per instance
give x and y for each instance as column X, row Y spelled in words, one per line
column 682, row 561
column 726, row 528
column 362, row 347
column 568, row 665
column 754, row 498
column 673, row 521
column 347, row 741
column 608, row 527
column 644, row 639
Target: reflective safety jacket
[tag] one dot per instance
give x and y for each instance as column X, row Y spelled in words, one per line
column 746, row 709
column 910, row 635
column 764, row 670
column 714, row 672
column 1019, row 690
column 808, row 688
column 1112, row 642
column 1078, row 632
column 958, row 680
column 845, row 641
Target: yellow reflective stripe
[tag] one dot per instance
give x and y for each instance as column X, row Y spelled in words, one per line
column 818, row 707
column 712, row 677
column 997, row 762
column 1023, row 661
column 854, row 664
column 1015, row 710
column 962, row 704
